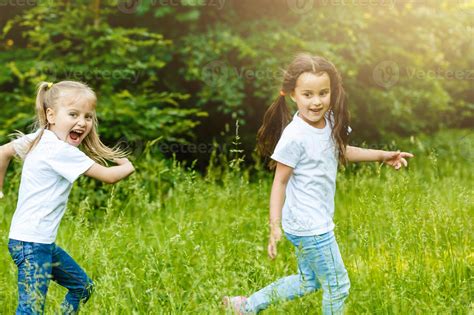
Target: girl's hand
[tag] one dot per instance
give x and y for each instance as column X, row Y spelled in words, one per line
column 396, row 159
column 121, row 161
column 275, row 237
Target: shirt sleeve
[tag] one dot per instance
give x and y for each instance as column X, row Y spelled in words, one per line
column 70, row 162
column 21, row 145
column 287, row 151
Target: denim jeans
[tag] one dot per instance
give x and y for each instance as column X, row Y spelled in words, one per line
column 319, row 266
column 37, row 265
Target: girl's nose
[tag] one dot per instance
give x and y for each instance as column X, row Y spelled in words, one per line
column 81, row 122
column 317, row 102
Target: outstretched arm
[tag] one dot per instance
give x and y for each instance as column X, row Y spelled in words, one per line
column 7, row 152
column 277, row 199
column 111, row 175
column 396, row 159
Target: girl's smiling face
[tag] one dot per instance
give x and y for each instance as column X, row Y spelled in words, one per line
column 312, row 95
column 71, row 123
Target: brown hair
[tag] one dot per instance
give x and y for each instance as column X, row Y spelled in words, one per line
column 66, row 92
column 278, row 114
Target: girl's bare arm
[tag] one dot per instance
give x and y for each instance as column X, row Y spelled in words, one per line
column 277, row 199
column 111, row 175
column 396, row 159
column 7, row 152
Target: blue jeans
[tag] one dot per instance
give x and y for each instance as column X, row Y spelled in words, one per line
column 37, row 265
column 320, row 266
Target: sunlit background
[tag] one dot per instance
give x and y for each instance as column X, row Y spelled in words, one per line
column 184, row 84
column 187, row 71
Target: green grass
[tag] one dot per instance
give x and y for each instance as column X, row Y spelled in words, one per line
column 169, row 240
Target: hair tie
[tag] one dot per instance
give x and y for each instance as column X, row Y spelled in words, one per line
column 282, row 93
column 50, row 84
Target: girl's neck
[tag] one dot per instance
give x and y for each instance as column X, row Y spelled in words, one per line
column 320, row 124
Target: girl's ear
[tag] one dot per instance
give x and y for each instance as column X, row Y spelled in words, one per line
column 50, row 116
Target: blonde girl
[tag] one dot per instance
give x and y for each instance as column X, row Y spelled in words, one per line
column 305, row 149
column 64, row 146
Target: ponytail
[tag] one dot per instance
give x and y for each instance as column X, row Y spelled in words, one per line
column 43, row 101
column 275, row 120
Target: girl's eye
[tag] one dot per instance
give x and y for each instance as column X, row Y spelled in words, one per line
column 307, row 94
column 73, row 115
column 324, row 93
column 89, row 117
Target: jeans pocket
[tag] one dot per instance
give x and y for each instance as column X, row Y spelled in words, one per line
column 295, row 240
column 16, row 251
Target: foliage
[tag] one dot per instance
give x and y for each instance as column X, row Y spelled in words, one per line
column 188, row 69
column 66, row 41
column 381, row 51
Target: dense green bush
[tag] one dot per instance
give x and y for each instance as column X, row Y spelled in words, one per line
column 185, row 70
column 122, row 64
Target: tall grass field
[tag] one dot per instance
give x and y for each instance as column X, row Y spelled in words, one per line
column 171, row 240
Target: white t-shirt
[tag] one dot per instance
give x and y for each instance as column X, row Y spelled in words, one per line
column 48, row 173
column 311, row 152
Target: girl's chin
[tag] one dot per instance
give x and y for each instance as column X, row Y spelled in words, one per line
column 314, row 117
column 315, row 120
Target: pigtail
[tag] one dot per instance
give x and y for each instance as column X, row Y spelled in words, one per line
column 275, row 120
column 340, row 130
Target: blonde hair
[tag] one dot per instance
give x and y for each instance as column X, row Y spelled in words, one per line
column 69, row 92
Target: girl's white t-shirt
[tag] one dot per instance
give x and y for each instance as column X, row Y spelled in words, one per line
column 311, row 152
column 49, row 170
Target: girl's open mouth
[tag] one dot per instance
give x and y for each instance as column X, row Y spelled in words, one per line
column 75, row 136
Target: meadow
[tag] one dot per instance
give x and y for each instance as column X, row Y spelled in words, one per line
column 172, row 240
